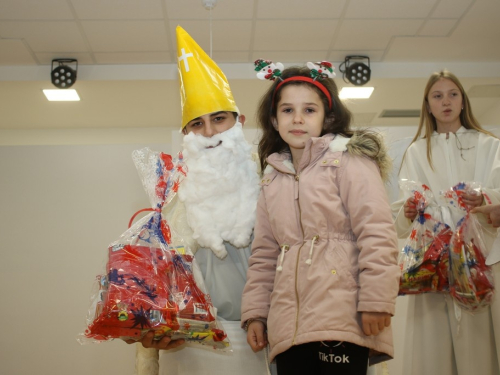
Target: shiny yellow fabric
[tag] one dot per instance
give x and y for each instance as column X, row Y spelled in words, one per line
column 204, row 87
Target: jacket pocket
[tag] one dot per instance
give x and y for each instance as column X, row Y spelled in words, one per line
column 338, row 265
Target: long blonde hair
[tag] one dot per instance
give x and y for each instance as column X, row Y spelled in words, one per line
column 428, row 121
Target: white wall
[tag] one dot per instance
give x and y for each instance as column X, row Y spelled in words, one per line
column 83, row 136
column 60, row 208
column 491, row 117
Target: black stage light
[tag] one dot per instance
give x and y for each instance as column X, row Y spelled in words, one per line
column 357, row 73
column 63, row 76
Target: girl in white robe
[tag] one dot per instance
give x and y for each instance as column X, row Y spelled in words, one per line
column 440, row 338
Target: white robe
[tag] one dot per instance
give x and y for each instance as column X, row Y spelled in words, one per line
column 224, row 281
column 436, row 343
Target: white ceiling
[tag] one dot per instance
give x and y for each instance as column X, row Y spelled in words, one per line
column 127, row 54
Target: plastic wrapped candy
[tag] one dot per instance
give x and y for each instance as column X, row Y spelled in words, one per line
column 150, row 282
column 424, row 257
column 471, row 280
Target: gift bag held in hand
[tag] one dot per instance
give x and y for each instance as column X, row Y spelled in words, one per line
column 471, row 280
column 424, row 257
column 152, row 282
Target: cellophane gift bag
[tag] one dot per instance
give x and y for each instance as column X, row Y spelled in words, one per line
column 471, row 280
column 424, row 257
column 152, row 282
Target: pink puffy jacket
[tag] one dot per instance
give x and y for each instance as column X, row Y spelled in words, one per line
column 324, row 250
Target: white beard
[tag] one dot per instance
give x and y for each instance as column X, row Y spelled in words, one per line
column 221, row 189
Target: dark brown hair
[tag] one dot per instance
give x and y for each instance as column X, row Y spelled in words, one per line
column 337, row 119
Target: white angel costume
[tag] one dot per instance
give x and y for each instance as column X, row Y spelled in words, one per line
column 441, row 339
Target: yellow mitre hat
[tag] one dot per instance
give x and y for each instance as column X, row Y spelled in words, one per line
column 204, row 88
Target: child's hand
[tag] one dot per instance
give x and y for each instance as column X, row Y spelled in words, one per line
column 165, row 343
column 374, row 322
column 473, row 200
column 256, row 336
column 410, row 209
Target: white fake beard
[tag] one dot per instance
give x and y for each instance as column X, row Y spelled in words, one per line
column 221, row 189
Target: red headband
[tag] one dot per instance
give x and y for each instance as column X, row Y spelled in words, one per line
column 319, row 85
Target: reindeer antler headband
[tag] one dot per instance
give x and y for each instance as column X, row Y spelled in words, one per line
column 267, row 70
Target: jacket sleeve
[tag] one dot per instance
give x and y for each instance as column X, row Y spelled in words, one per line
column 256, row 299
column 365, row 200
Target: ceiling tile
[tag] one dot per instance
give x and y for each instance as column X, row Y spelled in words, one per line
column 451, row 8
column 193, row 9
column 35, row 10
column 443, row 49
column 133, row 58
column 117, row 9
column 482, row 20
column 373, row 34
column 59, row 36
column 14, row 52
column 300, row 9
column 45, row 58
column 227, row 35
column 340, row 55
column 230, row 57
column 389, row 9
column 282, row 35
column 126, row 36
column 435, row 27
column 290, row 57
column 484, row 9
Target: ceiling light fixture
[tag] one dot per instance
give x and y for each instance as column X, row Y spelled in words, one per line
column 62, row 95
column 63, row 76
column 357, row 73
column 355, row 92
column 209, row 4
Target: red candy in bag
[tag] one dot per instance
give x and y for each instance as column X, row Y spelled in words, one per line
column 424, row 257
column 136, row 297
column 471, row 280
column 151, row 283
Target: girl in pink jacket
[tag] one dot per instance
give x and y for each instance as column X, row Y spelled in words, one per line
column 323, row 278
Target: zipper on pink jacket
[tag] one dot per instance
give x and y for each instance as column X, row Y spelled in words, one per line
column 297, row 178
column 308, row 261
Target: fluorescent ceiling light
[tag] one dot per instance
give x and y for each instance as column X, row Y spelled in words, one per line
column 60, row 95
column 355, row 92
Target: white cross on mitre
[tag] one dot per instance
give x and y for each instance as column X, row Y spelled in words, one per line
column 184, row 57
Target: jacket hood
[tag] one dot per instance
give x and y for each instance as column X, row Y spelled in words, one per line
column 369, row 144
column 362, row 143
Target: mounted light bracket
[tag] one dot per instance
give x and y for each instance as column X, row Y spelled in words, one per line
column 209, row 4
column 63, row 76
column 357, row 73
